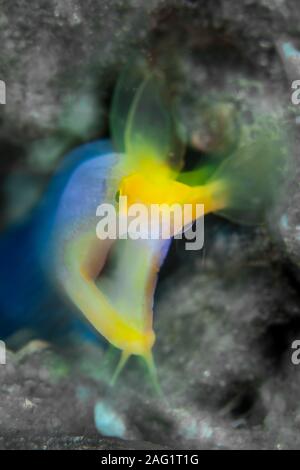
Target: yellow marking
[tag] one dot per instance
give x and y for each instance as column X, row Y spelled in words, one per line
column 81, row 260
column 152, row 190
column 83, row 291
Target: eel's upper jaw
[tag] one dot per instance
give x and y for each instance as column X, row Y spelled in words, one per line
column 147, row 190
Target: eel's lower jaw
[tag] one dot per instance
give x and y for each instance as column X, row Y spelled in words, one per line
column 113, row 285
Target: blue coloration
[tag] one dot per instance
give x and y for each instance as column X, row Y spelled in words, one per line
column 28, row 296
column 83, row 193
column 190, row 430
column 107, row 422
column 290, row 51
column 284, row 222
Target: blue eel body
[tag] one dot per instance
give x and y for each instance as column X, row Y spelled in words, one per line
column 29, row 297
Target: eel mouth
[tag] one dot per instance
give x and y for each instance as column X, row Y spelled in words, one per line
column 112, row 281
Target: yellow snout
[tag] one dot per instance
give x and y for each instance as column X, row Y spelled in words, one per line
column 150, row 189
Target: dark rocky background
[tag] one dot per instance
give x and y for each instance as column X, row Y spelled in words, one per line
column 226, row 316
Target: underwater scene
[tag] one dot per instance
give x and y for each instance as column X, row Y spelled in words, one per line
column 150, row 227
